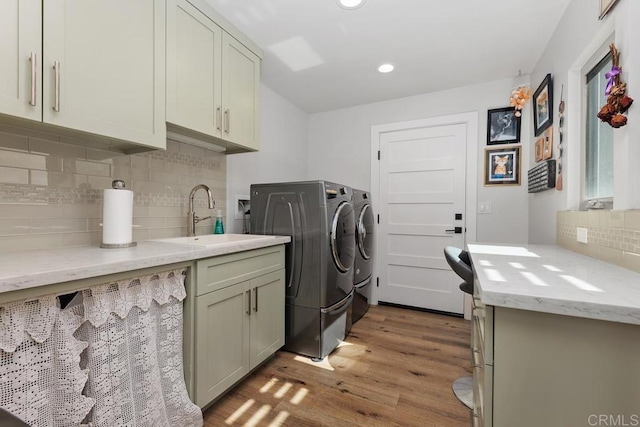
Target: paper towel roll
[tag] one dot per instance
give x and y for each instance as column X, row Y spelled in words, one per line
column 117, row 217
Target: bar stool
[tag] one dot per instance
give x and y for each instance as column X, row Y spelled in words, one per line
column 460, row 263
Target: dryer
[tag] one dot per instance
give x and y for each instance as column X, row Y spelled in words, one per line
column 365, row 245
column 319, row 217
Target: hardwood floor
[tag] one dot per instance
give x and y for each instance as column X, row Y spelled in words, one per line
column 396, row 368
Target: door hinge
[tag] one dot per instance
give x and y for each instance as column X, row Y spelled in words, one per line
column 378, row 154
column 377, row 282
column 378, row 218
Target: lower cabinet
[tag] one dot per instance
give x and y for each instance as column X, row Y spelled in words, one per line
column 267, row 317
column 239, row 321
column 482, row 362
column 535, row 369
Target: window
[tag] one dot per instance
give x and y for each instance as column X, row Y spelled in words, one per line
column 598, row 182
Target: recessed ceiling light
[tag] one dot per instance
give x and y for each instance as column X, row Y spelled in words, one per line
column 386, row 68
column 350, row 4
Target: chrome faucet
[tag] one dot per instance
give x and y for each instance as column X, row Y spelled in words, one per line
column 192, row 218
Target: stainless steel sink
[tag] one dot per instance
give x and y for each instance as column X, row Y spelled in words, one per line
column 214, row 239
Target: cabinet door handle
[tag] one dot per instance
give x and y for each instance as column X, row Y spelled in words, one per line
column 249, row 302
column 56, row 104
column 227, row 120
column 256, row 306
column 34, row 59
column 219, row 118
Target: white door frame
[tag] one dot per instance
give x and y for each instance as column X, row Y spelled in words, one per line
column 469, row 119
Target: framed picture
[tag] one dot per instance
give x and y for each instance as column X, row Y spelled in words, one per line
column 542, row 106
column 605, row 7
column 503, row 126
column 547, row 144
column 539, row 146
column 502, row 166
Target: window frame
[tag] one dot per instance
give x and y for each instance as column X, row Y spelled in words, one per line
column 596, row 58
column 584, row 200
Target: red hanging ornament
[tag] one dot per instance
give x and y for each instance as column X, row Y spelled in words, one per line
column 618, row 102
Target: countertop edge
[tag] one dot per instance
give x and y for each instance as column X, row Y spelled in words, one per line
column 583, row 281
column 170, row 253
column 562, row 307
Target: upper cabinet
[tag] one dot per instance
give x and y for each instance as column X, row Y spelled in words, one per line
column 20, row 58
column 240, row 88
column 100, row 70
column 97, row 67
column 103, row 68
column 212, row 78
column 194, row 71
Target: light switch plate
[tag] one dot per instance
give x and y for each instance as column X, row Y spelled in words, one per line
column 484, row 208
column 581, row 235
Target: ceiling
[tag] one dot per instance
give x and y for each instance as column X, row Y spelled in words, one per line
column 322, row 57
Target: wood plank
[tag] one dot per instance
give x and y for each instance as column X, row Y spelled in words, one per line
column 396, row 368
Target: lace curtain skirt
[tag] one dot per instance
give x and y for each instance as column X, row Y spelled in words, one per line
column 113, row 357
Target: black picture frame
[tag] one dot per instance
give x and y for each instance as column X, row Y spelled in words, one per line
column 502, row 166
column 503, row 126
column 543, row 106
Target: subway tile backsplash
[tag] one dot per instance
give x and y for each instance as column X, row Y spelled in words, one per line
column 51, row 192
column 612, row 236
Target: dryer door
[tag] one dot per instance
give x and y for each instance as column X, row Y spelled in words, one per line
column 364, row 229
column 342, row 237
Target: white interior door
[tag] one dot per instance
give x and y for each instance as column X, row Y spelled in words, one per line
column 422, row 188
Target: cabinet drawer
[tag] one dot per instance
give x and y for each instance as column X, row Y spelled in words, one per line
column 487, row 396
column 482, row 329
column 478, row 381
column 223, row 271
column 478, row 334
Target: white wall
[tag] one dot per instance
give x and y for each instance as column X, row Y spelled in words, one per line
column 335, row 145
column 282, row 155
column 578, row 29
column 340, row 146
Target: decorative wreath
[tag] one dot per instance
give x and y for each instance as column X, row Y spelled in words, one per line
column 617, row 102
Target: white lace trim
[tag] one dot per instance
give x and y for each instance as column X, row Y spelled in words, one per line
column 21, row 320
column 136, row 365
column 121, row 296
column 130, row 345
column 41, row 381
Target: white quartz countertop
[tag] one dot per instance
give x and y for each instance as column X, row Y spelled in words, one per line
column 29, row 269
column 551, row 279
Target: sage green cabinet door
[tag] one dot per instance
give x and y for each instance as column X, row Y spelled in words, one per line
column 240, row 93
column 267, row 316
column 194, row 53
column 20, row 58
column 110, row 57
column 221, row 341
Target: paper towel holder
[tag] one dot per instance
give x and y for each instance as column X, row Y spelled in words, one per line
column 118, row 184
